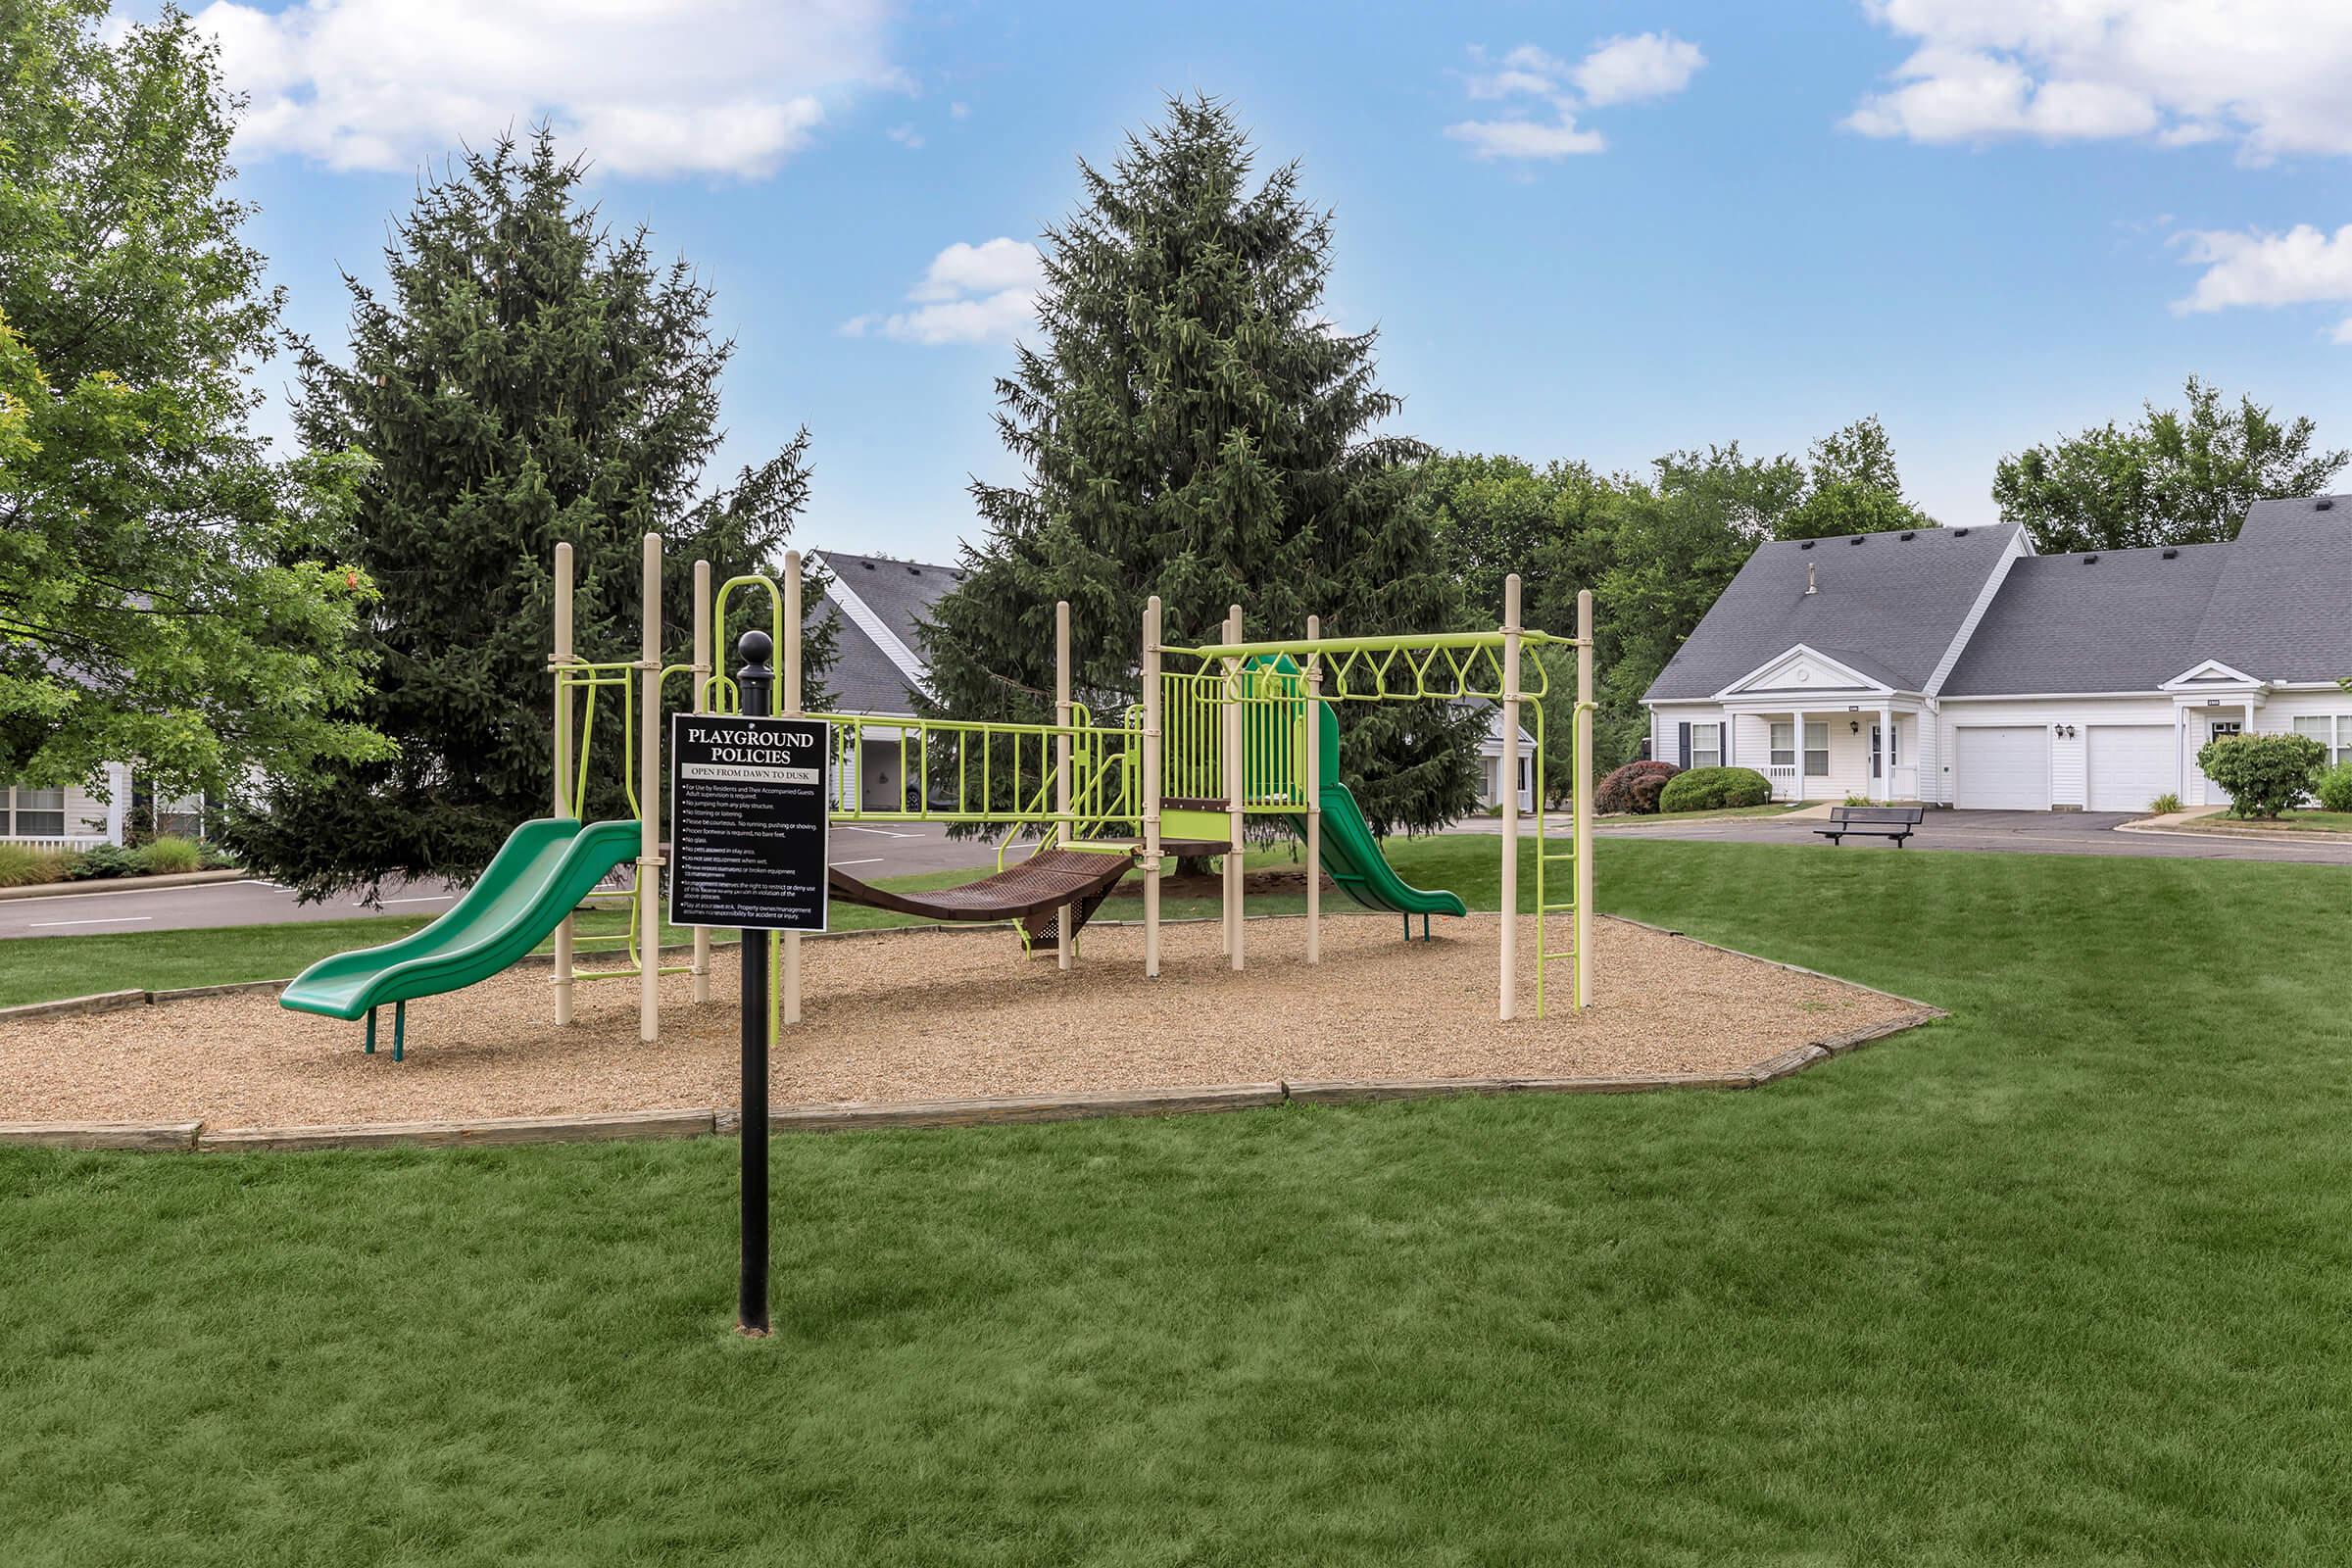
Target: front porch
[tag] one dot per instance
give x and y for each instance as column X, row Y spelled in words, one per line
column 1831, row 754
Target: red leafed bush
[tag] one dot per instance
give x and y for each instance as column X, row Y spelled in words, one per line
column 1633, row 789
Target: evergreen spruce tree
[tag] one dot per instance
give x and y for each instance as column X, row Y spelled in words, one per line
column 1192, row 426
column 531, row 378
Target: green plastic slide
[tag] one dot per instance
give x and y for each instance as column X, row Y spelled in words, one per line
column 537, row 878
column 1350, row 853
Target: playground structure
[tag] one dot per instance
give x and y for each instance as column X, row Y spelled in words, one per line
column 1241, row 732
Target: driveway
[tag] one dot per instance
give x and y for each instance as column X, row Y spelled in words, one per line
column 892, row 849
column 2011, row 832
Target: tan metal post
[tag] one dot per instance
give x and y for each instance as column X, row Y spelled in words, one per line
column 1313, row 742
column 1066, row 945
column 1151, row 805
column 1509, row 782
column 1584, row 797
column 563, row 804
column 790, row 959
column 649, row 798
column 702, row 676
column 1233, row 774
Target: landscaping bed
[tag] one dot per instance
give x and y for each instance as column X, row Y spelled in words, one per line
column 930, row 1015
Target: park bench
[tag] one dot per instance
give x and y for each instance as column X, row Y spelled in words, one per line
column 1896, row 822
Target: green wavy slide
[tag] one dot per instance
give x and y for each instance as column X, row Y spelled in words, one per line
column 537, row 878
column 1350, row 853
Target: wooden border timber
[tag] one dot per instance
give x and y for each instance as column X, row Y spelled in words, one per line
column 909, row 1115
column 593, row 1127
column 165, row 1136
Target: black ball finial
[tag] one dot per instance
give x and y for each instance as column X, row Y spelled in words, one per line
column 754, row 647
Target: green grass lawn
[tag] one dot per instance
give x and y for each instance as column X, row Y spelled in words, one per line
column 1769, row 809
column 2065, row 1279
column 2293, row 823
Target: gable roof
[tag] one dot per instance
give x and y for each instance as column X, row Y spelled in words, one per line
column 1887, row 606
column 878, row 605
column 2122, row 620
column 2279, row 612
column 2271, row 604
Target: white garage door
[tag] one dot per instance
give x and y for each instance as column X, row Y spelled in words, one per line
column 2004, row 769
column 2130, row 764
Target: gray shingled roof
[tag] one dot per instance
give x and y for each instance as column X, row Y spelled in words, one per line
column 2271, row 604
column 1888, row 607
column 864, row 679
column 2283, row 608
column 2125, row 622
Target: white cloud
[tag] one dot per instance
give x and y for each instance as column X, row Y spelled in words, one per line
column 1527, row 138
column 2268, row 74
column 986, row 269
column 1649, row 65
column 687, row 86
column 906, row 136
column 1619, row 69
column 960, row 111
column 984, row 293
column 2302, row 267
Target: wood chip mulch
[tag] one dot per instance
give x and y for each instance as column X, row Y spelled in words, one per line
column 936, row 1015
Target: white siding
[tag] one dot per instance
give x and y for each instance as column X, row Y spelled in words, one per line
column 1666, row 727
column 2067, row 752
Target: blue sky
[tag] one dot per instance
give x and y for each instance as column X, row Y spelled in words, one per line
column 1592, row 230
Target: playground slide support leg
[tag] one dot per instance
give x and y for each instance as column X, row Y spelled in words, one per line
column 649, row 797
column 701, row 676
column 1234, row 786
column 1311, row 741
column 1151, row 805
column 400, row 1031
column 563, row 797
column 1508, row 780
column 789, row 959
column 1584, row 797
column 1066, row 943
column 370, row 1048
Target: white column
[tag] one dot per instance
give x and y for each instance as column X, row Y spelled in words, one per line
column 1886, row 752
column 790, row 961
column 649, row 798
column 1066, row 946
column 1508, row 977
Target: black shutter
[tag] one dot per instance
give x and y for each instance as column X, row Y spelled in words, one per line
column 1686, row 738
column 1722, row 743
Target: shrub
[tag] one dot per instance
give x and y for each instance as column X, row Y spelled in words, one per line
column 1707, row 789
column 169, row 853
column 22, row 866
column 1859, row 800
column 2265, row 774
column 2166, row 802
column 1633, row 789
column 103, row 860
column 2336, row 787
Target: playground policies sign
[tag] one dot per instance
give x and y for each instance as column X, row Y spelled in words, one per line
column 747, row 830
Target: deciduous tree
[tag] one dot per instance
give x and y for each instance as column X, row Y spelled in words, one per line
column 170, row 595
column 2175, row 476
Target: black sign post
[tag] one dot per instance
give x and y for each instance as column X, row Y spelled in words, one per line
column 748, row 800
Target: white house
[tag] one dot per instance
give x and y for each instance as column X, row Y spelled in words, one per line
column 1957, row 667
